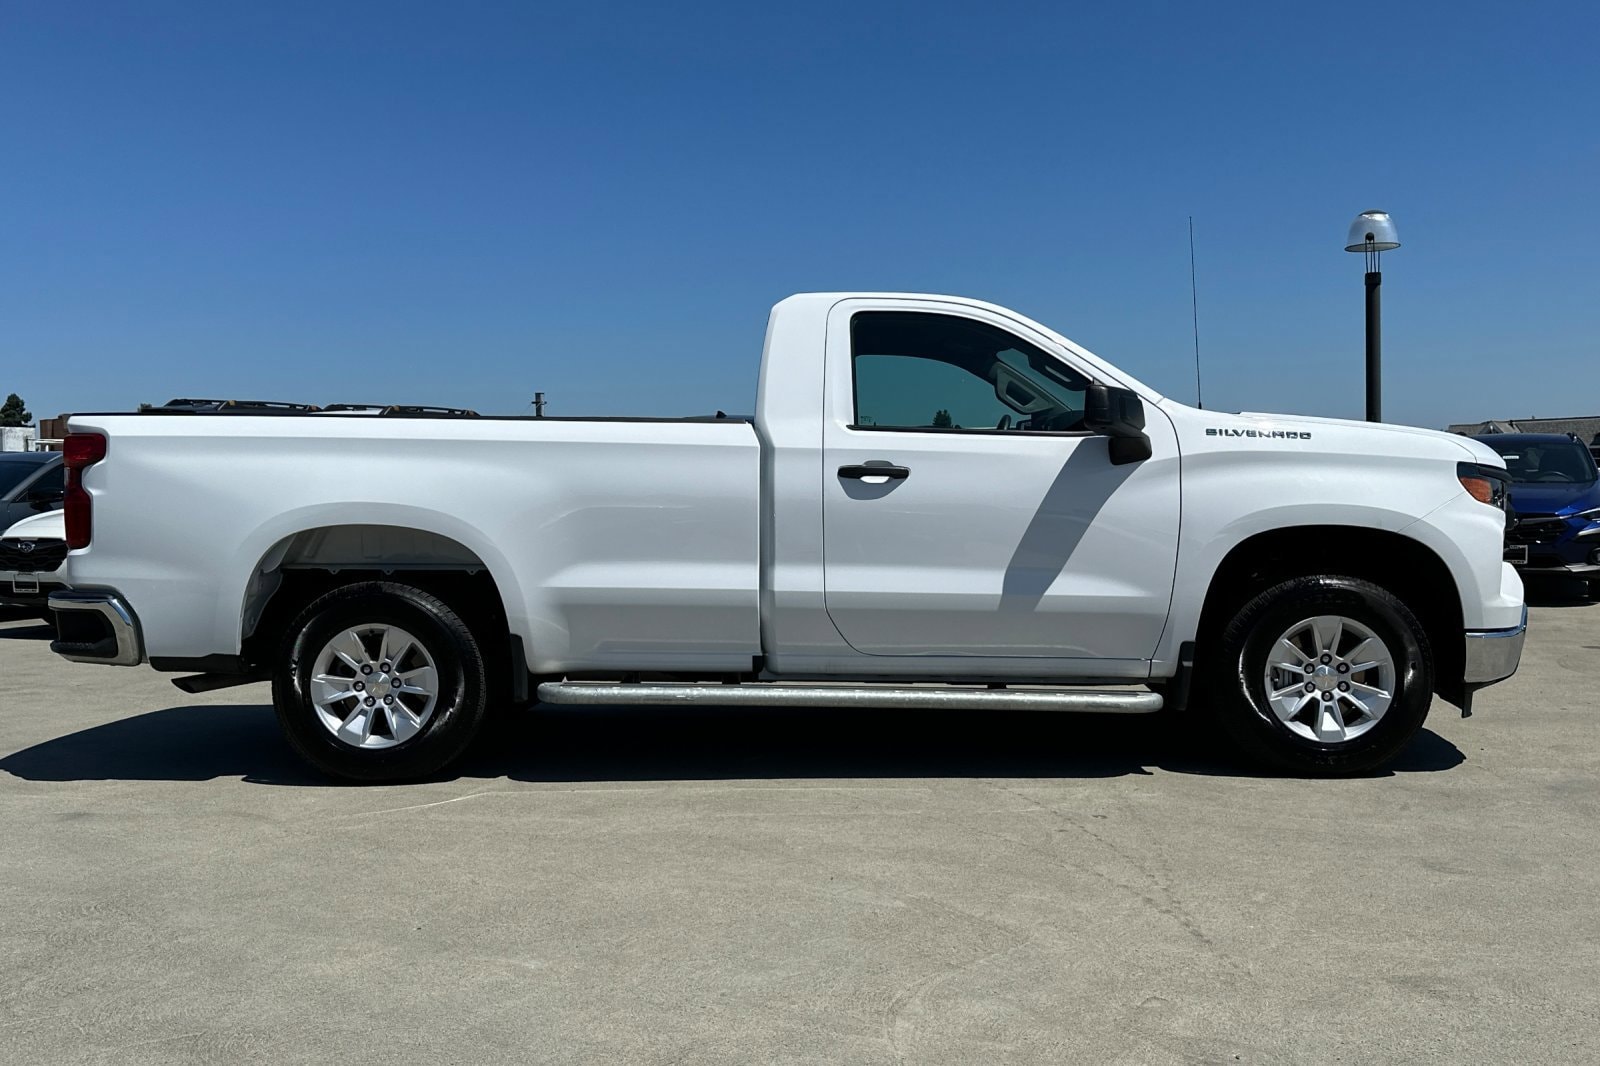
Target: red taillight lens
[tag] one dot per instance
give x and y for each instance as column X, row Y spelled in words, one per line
column 80, row 451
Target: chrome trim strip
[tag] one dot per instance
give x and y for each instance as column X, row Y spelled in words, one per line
column 762, row 694
column 110, row 606
column 1494, row 654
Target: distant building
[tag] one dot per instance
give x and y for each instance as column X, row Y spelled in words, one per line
column 16, row 438
column 1585, row 429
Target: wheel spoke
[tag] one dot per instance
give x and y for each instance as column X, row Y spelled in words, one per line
column 1361, row 649
column 1288, row 655
column 1371, row 690
column 395, row 646
column 403, row 725
column 348, row 647
column 359, row 724
column 1326, row 631
column 1287, row 710
column 1330, row 722
column 423, row 681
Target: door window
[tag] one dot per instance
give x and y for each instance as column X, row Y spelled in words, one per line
column 915, row 370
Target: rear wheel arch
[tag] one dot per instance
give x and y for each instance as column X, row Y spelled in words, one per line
column 308, row 564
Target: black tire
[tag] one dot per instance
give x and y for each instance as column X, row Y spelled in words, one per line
column 458, row 711
column 1236, row 685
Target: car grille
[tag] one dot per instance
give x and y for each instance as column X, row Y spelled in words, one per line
column 32, row 556
column 1535, row 529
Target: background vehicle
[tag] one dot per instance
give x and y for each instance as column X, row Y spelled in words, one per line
column 32, row 557
column 30, row 482
column 932, row 489
column 184, row 405
column 1555, row 493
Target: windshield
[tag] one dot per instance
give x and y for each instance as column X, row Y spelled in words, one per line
column 14, row 473
column 1557, row 462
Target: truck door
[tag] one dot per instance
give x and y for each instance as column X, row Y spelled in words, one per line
column 966, row 511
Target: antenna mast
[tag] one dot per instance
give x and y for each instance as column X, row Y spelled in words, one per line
column 1194, row 301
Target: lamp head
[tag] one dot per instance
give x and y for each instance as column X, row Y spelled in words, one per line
column 1372, row 231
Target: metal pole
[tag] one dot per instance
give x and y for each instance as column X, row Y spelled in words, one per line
column 1374, row 349
column 538, row 405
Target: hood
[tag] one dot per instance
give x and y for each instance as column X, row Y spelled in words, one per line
column 1478, row 450
column 50, row 525
column 1536, row 498
column 1342, row 434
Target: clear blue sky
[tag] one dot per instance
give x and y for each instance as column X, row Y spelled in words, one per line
column 461, row 203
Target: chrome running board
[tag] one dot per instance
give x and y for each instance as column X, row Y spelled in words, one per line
column 763, row 694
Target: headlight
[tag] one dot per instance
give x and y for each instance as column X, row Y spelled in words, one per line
column 1486, row 484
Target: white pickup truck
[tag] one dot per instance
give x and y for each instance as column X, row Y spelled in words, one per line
column 938, row 503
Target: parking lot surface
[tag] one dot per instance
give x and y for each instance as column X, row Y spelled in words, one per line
column 794, row 887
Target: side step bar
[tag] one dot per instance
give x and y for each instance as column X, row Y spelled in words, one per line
column 763, row 694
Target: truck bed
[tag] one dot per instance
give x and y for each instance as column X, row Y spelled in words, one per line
column 611, row 541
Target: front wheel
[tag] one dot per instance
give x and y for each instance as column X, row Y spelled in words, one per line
column 1323, row 675
column 379, row 681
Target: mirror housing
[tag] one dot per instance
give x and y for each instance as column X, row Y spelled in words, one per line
column 45, row 499
column 1117, row 413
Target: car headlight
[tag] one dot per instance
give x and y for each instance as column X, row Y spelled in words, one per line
column 1592, row 516
column 1486, row 484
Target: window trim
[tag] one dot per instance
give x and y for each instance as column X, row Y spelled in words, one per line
column 855, row 381
column 1014, row 434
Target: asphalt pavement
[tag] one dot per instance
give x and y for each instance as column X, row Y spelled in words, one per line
column 665, row 886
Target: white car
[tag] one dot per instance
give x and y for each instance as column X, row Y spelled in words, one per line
column 33, row 555
column 932, row 489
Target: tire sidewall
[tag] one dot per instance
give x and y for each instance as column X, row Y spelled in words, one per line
column 460, row 674
column 1361, row 603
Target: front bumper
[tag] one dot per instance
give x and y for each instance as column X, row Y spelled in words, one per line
column 1539, row 566
column 1494, row 654
column 96, row 626
column 31, row 591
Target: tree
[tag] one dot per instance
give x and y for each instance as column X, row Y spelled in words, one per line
column 13, row 413
column 942, row 419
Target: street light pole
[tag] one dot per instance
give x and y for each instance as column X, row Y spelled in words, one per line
column 1374, row 347
column 1373, row 233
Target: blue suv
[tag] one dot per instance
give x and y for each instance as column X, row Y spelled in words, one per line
column 1555, row 493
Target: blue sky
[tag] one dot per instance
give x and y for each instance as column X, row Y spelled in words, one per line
column 462, row 203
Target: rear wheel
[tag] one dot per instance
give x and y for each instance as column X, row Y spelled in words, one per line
column 379, row 681
column 1322, row 675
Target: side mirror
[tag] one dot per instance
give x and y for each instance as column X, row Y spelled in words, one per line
column 44, row 499
column 1119, row 414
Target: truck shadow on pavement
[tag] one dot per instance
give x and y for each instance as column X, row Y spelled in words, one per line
column 632, row 744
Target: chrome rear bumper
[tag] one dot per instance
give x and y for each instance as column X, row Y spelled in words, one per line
column 1493, row 654
column 96, row 626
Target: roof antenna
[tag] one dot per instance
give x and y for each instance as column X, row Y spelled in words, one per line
column 1194, row 300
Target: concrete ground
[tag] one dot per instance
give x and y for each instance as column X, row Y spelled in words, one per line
column 647, row 886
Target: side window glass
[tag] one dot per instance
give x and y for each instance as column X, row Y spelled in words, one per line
column 914, row 370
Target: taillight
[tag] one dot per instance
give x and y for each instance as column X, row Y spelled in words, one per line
column 80, row 451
